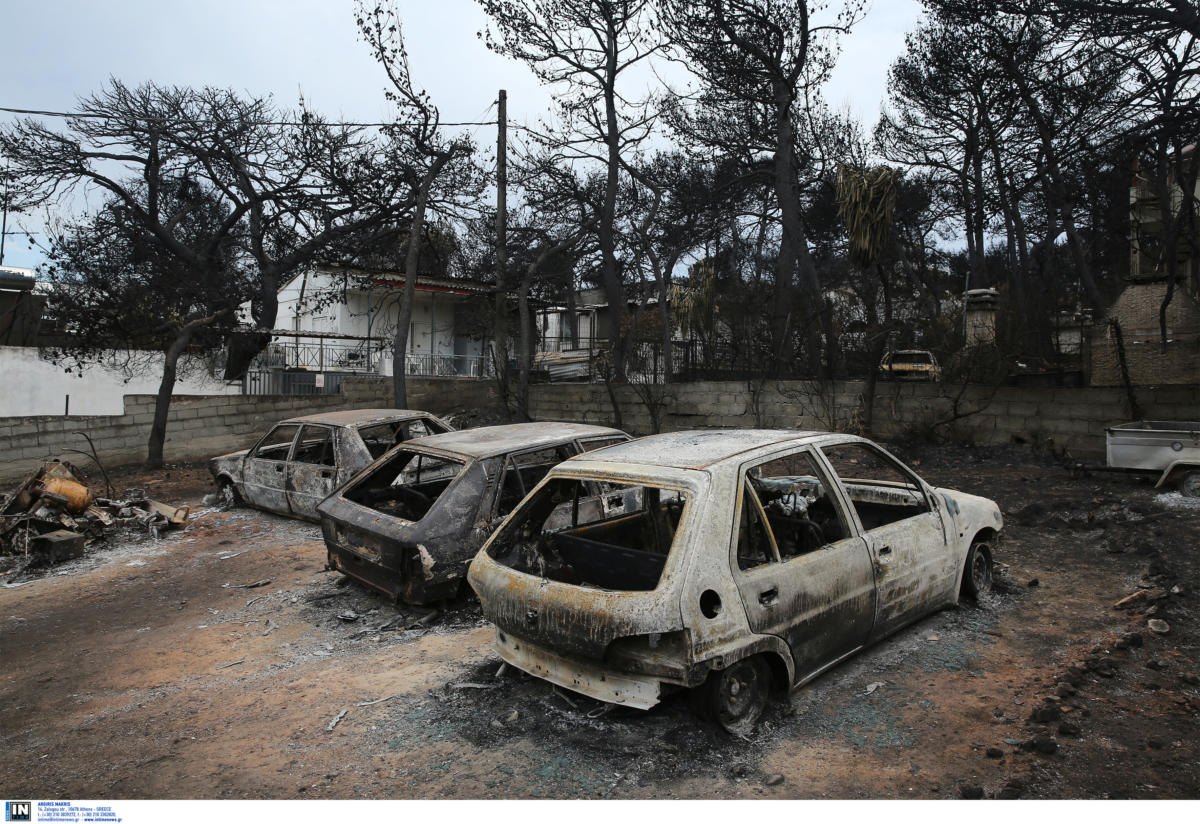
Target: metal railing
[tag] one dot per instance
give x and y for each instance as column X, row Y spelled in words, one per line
column 450, row 366
column 316, row 365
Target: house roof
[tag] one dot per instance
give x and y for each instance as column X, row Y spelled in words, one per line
column 425, row 283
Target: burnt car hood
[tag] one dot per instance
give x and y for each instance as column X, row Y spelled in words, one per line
column 226, row 463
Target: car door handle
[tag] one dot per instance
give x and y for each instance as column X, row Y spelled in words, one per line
column 326, row 473
column 885, row 550
column 769, row 597
column 278, row 467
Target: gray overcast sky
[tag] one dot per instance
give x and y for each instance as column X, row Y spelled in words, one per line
column 57, row 51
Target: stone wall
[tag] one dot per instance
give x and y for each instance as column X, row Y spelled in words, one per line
column 199, row 427
column 1071, row 419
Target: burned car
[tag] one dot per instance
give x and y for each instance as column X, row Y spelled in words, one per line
column 302, row 460
column 910, row 364
column 409, row 524
column 730, row 562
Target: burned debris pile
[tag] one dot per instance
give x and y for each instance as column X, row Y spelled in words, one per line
column 54, row 516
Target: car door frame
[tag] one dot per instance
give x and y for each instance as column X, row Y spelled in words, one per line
column 303, row 504
column 901, row 559
column 783, row 596
column 272, row 499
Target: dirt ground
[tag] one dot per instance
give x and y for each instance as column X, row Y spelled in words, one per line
column 222, row 661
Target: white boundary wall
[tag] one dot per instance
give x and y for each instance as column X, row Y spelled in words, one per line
column 32, row 386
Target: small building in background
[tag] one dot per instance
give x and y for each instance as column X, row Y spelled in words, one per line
column 1137, row 331
column 980, row 323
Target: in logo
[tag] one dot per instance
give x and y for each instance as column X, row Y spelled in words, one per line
column 18, row 811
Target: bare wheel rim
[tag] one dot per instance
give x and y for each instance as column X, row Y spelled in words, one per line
column 981, row 568
column 1190, row 485
column 741, row 694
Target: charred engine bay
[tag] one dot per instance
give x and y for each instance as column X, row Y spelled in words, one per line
column 221, row 661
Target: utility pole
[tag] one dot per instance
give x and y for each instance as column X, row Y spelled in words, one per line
column 4, row 220
column 500, row 343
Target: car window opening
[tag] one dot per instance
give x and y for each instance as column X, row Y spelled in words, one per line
column 315, row 446
column 799, row 510
column 525, row 471
column 380, row 437
column 407, row 484
column 918, row 358
column 881, row 491
column 571, row 532
column 277, row 444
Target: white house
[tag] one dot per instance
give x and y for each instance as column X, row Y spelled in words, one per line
column 334, row 318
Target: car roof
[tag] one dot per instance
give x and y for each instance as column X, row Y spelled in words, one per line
column 360, row 417
column 487, row 441
column 701, row 448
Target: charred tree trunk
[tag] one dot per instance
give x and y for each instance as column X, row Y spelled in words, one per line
column 412, row 263
column 524, row 347
column 162, row 402
column 613, row 288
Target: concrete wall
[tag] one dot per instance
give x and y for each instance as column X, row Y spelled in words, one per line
column 33, row 386
column 1071, row 419
column 200, row 427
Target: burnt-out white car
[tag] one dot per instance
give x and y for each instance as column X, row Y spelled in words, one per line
column 302, row 460
column 728, row 561
column 409, row 524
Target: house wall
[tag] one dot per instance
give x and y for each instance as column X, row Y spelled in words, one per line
column 373, row 312
column 32, row 386
column 1137, row 310
column 199, row 428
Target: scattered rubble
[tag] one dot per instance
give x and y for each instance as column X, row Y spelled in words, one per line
column 54, row 516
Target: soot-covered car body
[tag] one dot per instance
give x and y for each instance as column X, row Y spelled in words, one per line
column 300, row 461
column 409, row 524
column 728, row 560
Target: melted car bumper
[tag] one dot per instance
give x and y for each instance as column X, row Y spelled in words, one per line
column 590, row 679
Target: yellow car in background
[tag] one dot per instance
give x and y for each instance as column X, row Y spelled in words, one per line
column 910, row 364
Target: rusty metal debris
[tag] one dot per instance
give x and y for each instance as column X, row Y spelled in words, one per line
column 54, row 516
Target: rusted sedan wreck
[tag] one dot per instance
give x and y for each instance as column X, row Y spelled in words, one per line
column 727, row 561
column 409, row 524
column 302, row 460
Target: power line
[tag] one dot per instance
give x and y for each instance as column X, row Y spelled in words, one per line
column 267, row 123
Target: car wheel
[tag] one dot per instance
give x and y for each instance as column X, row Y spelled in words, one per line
column 977, row 575
column 1189, row 484
column 735, row 696
column 228, row 495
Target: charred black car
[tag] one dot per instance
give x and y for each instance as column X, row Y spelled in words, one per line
column 410, row 523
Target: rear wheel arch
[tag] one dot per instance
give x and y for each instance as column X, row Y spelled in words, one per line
column 781, row 678
column 773, row 650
